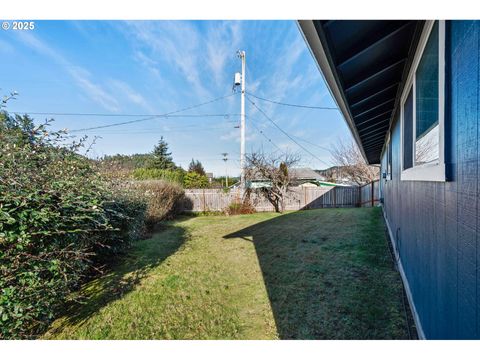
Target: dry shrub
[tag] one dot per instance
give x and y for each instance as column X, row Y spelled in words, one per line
column 163, row 200
column 238, row 208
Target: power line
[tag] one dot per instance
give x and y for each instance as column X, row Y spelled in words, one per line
column 250, row 73
column 305, row 141
column 227, row 124
column 160, row 131
column 226, row 116
column 293, row 105
column 313, row 144
column 284, row 132
column 264, row 135
column 121, row 115
column 155, row 116
column 299, row 138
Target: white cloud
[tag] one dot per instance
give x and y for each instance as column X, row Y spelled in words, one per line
column 175, row 42
column 300, row 133
column 285, row 76
column 80, row 75
column 83, row 79
column 150, row 64
column 234, row 135
column 30, row 40
column 221, row 43
column 199, row 57
column 286, row 146
column 283, row 70
column 231, row 135
column 131, row 94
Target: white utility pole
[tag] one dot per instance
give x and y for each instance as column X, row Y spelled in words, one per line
column 241, row 55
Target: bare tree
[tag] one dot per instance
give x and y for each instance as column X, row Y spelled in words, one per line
column 347, row 156
column 274, row 170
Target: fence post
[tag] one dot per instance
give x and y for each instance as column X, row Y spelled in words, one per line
column 204, row 202
column 373, row 194
column 359, row 196
column 335, row 197
column 304, row 198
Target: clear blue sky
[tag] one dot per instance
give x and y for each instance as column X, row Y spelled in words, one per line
column 154, row 67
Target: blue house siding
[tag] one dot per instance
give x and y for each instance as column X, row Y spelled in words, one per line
column 435, row 225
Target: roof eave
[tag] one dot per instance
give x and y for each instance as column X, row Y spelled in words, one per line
column 319, row 52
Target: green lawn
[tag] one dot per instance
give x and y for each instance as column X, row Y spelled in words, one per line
column 317, row 274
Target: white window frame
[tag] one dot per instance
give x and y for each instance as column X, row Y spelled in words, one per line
column 388, row 165
column 436, row 171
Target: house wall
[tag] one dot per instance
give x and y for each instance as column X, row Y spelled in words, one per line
column 434, row 225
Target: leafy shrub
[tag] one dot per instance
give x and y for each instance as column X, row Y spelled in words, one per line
column 127, row 214
column 163, row 200
column 57, row 216
column 193, row 180
column 175, row 176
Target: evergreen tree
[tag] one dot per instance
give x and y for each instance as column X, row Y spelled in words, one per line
column 196, row 166
column 162, row 159
column 193, row 180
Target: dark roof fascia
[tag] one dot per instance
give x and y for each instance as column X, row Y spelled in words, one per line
column 316, row 42
column 411, row 54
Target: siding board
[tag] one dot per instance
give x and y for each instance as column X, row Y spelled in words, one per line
column 436, row 225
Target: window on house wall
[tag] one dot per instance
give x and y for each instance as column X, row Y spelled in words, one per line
column 422, row 109
column 426, row 103
column 389, row 157
column 408, row 131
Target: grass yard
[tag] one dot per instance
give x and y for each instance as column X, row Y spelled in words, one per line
column 317, row 274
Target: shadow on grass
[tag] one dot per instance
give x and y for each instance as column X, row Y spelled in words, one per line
column 329, row 275
column 123, row 277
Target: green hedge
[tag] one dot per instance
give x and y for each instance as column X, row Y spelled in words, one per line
column 193, row 180
column 175, row 176
column 57, row 218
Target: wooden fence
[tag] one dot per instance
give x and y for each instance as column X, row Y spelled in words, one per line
column 300, row 198
column 370, row 193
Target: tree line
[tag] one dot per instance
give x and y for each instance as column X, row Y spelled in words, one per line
column 157, row 165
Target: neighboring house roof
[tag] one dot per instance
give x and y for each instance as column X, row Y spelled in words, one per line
column 305, row 174
column 309, row 184
column 295, row 174
column 300, row 176
column 326, row 183
column 364, row 63
column 258, row 184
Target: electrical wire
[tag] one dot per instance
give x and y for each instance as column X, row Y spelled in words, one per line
column 265, row 136
column 313, row 144
column 292, row 105
column 226, row 116
column 155, row 116
column 304, row 140
column 160, row 131
column 285, row 133
column 227, row 124
column 121, row 115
